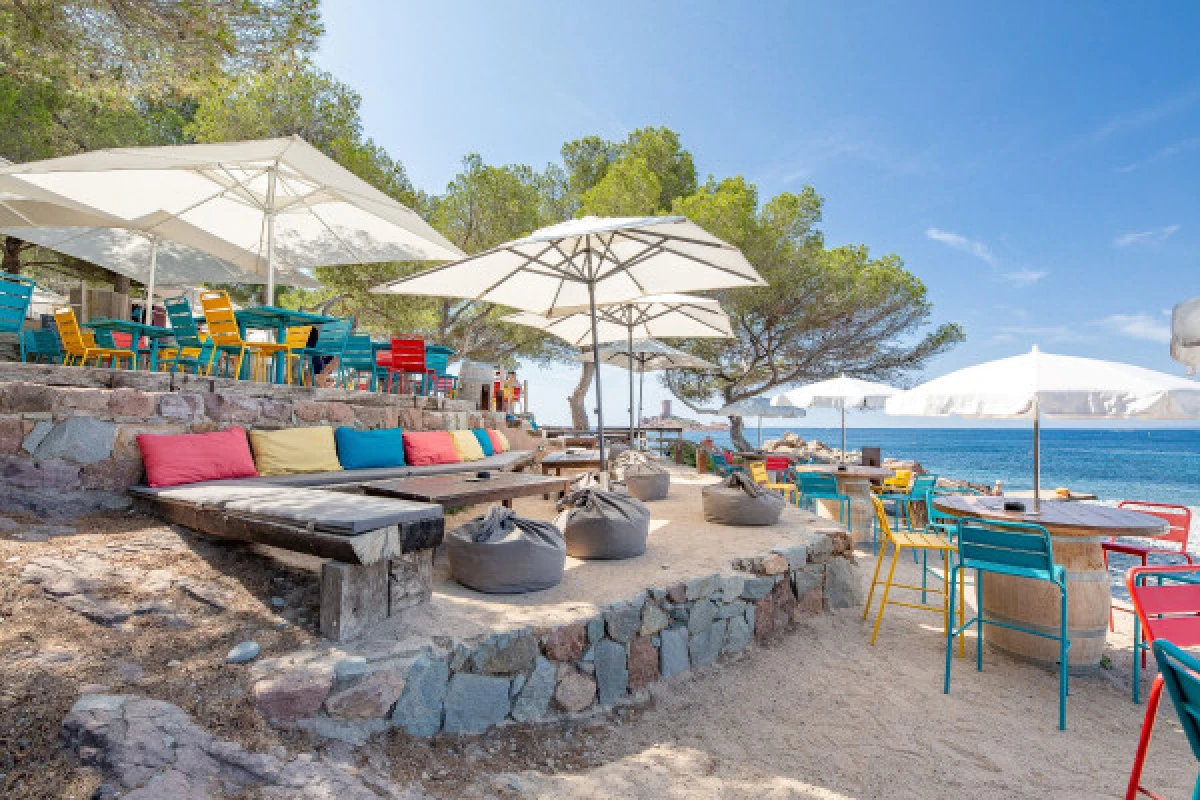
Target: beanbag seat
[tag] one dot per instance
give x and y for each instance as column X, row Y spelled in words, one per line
column 292, row 451
column 426, row 448
column 369, row 449
column 643, row 478
column 603, row 524
column 177, row 459
column 466, row 445
column 740, row 501
column 502, row 553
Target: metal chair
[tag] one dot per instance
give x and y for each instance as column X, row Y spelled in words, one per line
column 358, row 357
column 1179, row 671
column 225, row 333
column 16, row 293
column 760, row 475
column 42, row 343
column 1179, row 520
column 1167, row 609
column 81, row 345
column 407, row 363
column 331, row 343
column 1017, row 549
column 437, row 361
column 814, row 486
column 191, row 350
column 917, row 493
column 721, row 465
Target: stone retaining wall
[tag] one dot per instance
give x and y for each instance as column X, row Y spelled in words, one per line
column 599, row 661
column 68, row 434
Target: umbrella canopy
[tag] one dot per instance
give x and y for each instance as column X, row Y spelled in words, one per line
column 1039, row 384
column 589, row 262
column 281, row 200
column 761, row 407
column 1185, row 334
column 841, row 393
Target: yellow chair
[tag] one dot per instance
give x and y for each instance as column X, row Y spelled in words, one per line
column 916, row 541
column 898, row 482
column 759, row 474
column 224, row 331
column 296, row 339
column 79, row 345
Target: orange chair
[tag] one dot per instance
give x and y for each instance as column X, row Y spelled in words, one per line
column 80, row 345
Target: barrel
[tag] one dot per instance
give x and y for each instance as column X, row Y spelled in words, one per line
column 1035, row 604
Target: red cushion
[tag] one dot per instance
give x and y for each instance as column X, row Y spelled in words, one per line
column 497, row 443
column 429, row 447
column 174, row 459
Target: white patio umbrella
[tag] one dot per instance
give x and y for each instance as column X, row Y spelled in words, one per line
column 760, row 407
column 1037, row 384
column 842, row 392
column 1185, row 334
column 281, row 204
column 588, row 263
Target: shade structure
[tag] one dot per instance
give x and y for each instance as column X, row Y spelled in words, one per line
column 761, row 407
column 1037, row 385
column 587, row 263
column 1185, row 334
column 282, row 201
column 841, row 393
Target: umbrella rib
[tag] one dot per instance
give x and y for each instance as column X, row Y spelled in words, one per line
column 349, row 248
column 608, row 249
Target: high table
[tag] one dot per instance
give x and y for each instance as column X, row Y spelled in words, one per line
column 855, row 482
column 278, row 320
column 1076, row 533
column 138, row 331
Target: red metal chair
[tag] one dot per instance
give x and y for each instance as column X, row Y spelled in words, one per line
column 1168, row 609
column 408, row 362
column 1180, row 520
column 777, row 464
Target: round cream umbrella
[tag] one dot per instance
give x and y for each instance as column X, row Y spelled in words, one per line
column 589, row 263
column 842, row 392
column 1037, row 384
column 1185, row 334
column 760, row 407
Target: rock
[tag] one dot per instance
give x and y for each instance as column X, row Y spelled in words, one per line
column 595, row 629
column 207, row 593
column 705, row 646
column 370, row 698
column 756, row 588
column 506, row 653
column 702, row 586
column 565, row 643
column 654, row 619
column 773, row 564
column 796, row 555
column 130, row 672
column 643, row 663
column 294, row 694
column 843, row 584
column 704, row 613
column 809, row 584
column 243, row 653
column 575, row 691
column 533, row 699
column 774, row 611
column 419, row 709
column 677, row 593
column 737, row 635
column 35, row 436
column 103, row 612
column 278, row 602
column 349, row 668
column 622, row 621
column 612, row 672
column 7, row 524
column 78, row 440
column 475, row 703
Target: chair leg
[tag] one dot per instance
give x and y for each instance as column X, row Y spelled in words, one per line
column 979, row 620
column 1063, row 647
column 1139, row 757
column 886, row 589
column 874, row 583
column 950, row 634
column 1137, row 662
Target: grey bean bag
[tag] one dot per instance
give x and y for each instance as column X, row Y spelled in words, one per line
column 740, row 501
column 645, row 479
column 501, row 553
column 603, row 524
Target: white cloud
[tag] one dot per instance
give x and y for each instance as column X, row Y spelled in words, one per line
column 1023, row 277
column 1170, row 151
column 1138, row 326
column 1143, row 118
column 1155, row 236
column 960, row 242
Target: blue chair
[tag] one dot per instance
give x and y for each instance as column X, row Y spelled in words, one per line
column 1179, row 673
column 721, row 465
column 940, row 522
column 16, row 293
column 190, row 351
column 42, row 343
column 358, row 358
column 1016, row 549
column 814, row 486
column 437, row 361
column 332, row 338
column 917, row 493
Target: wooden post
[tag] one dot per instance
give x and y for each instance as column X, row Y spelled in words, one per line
column 353, row 598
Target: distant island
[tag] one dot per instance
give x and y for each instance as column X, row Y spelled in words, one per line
column 683, row 422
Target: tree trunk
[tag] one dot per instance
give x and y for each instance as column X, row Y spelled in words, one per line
column 578, row 397
column 121, row 284
column 12, row 254
column 737, row 432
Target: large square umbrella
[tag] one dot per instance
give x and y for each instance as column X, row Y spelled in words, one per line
column 588, row 263
column 842, row 392
column 760, row 407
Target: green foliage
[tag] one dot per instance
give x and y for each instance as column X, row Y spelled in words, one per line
column 629, row 188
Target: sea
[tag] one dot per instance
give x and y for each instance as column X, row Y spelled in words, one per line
column 1153, row 464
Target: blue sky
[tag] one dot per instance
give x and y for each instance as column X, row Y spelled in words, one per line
column 1036, row 164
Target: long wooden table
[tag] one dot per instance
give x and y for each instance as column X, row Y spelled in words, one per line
column 855, row 482
column 459, row 490
column 1077, row 531
column 558, row 461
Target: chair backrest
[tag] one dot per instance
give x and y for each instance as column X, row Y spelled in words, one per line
column 719, row 462
column 1166, row 598
column 437, row 358
column 816, row 483
column 881, row 518
column 1181, row 674
column 758, row 472
column 220, row 318
column 359, row 353
column 922, row 484
column 1013, row 547
column 16, row 293
column 42, row 342
column 68, row 329
column 297, row 337
column 903, row 477
column 408, row 355
column 945, row 523
column 183, row 323
column 1179, row 518
column 777, row 463
column 332, row 336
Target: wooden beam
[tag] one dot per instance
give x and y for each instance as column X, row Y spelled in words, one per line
column 353, row 598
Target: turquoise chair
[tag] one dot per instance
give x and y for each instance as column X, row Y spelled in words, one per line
column 921, row 486
column 940, row 522
column 1179, row 673
column 437, row 361
column 358, row 358
column 42, row 343
column 1017, row 549
column 814, row 486
column 191, row 351
column 721, row 465
column 332, row 338
column 16, row 293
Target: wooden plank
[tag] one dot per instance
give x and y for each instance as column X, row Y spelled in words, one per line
column 456, row 490
column 353, row 598
column 410, row 581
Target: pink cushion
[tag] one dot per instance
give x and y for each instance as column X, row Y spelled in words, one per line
column 499, row 445
column 429, row 447
column 174, row 459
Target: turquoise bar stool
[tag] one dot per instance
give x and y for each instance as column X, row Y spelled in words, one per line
column 1019, row 549
column 814, row 486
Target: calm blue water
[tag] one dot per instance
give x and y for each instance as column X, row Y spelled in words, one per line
column 1153, row 464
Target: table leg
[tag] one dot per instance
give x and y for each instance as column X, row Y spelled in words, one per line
column 507, row 502
column 154, row 354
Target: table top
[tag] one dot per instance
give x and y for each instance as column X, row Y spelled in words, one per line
column 1060, row 517
column 273, row 317
column 562, row 457
column 465, row 489
column 851, row 470
column 128, row 326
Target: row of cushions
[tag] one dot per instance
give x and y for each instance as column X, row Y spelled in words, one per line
column 172, row 460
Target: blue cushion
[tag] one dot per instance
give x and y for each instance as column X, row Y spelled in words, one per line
column 485, row 441
column 366, row 449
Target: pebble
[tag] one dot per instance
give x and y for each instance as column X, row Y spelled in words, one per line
column 242, row 653
column 173, row 663
column 278, row 602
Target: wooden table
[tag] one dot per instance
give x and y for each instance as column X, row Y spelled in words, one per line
column 460, row 489
column 855, row 482
column 1076, row 532
column 558, row 461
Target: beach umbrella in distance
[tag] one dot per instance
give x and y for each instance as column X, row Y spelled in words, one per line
column 1037, row 385
column 760, row 407
column 1185, row 334
column 842, row 392
column 642, row 356
column 272, row 206
column 645, row 318
column 588, row 263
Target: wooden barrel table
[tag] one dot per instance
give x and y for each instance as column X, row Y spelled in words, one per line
column 855, row 482
column 1076, row 533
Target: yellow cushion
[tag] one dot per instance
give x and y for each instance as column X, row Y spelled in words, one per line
column 503, row 440
column 467, row 445
column 295, row 450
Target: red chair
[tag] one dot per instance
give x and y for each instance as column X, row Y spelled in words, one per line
column 1168, row 609
column 777, row 464
column 408, row 362
column 1179, row 518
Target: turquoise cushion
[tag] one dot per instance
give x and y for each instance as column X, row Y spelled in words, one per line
column 366, row 449
column 485, row 441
